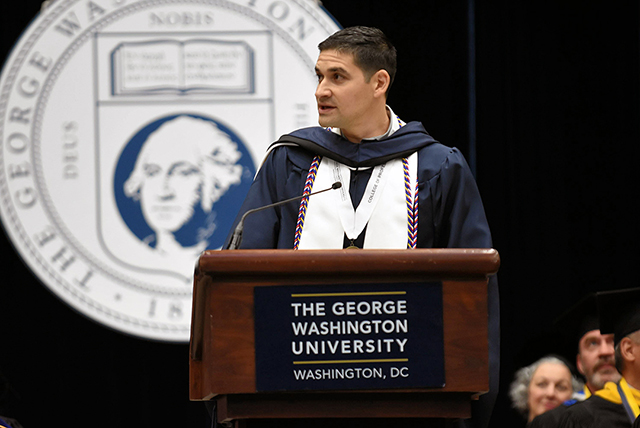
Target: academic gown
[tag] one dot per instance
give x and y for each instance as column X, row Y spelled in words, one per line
column 450, row 210
column 596, row 412
column 548, row 419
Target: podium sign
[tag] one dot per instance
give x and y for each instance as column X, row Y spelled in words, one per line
column 263, row 317
column 342, row 337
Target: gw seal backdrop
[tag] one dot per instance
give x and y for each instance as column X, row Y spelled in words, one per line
column 130, row 132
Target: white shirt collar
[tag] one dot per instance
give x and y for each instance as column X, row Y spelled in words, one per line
column 395, row 123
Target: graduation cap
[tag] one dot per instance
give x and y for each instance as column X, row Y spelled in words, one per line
column 619, row 312
column 578, row 320
column 561, row 339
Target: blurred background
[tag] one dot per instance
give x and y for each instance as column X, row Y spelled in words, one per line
column 542, row 97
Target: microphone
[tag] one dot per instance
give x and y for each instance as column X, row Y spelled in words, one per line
column 237, row 233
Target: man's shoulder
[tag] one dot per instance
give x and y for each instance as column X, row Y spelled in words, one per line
column 587, row 407
column 595, row 412
column 437, row 159
column 300, row 146
column 290, row 148
column 549, row 419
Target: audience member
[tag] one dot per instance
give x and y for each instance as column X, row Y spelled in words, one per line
column 542, row 386
column 616, row 405
column 595, row 355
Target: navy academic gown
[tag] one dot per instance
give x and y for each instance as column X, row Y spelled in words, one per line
column 450, row 211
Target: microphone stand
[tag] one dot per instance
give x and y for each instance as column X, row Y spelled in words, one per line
column 237, row 233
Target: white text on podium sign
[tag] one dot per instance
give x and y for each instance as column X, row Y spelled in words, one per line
column 345, row 337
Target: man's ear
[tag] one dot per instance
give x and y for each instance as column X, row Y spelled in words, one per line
column 381, row 81
column 579, row 364
column 627, row 350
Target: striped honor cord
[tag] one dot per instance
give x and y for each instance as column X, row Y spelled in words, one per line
column 412, row 207
column 308, row 185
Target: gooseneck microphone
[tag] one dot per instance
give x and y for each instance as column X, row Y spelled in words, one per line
column 236, row 239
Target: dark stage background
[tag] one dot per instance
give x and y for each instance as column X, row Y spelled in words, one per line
column 554, row 125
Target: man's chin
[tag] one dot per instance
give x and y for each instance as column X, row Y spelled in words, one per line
column 324, row 123
column 604, row 376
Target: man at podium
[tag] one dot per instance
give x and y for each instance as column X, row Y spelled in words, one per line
column 399, row 187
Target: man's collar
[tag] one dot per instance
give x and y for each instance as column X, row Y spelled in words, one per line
column 610, row 391
column 395, row 123
column 320, row 141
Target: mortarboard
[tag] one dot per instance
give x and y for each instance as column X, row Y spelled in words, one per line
column 619, row 312
column 579, row 318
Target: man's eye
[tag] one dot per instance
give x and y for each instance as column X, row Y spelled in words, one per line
column 188, row 171
column 151, row 170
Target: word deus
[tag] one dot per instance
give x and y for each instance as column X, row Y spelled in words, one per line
column 337, row 323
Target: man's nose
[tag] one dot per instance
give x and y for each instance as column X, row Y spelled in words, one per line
column 167, row 190
column 322, row 90
column 606, row 348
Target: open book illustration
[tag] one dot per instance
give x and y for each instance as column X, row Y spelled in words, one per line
column 174, row 66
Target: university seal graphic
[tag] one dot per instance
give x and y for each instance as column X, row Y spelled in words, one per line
column 130, row 132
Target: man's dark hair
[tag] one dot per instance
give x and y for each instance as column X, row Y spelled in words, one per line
column 371, row 49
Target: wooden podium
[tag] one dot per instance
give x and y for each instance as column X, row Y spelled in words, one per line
column 222, row 348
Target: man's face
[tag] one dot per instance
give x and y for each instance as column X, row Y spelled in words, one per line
column 171, row 187
column 345, row 98
column 596, row 359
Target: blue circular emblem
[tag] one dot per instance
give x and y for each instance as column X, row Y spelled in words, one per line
column 179, row 182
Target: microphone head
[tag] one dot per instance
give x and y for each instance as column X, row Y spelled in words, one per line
column 336, row 185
